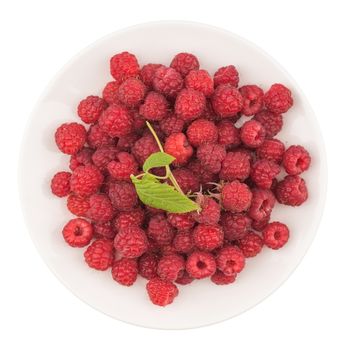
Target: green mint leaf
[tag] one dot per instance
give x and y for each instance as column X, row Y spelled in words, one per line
column 156, row 160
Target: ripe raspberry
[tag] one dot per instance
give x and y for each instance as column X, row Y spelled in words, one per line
column 123, row 195
column 103, row 156
column 260, row 224
column 181, row 221
column 208, row 112
column 272, row 122
column 178, row 146
column 221, row 279
column 124, row 271
column 131, row 242
column 147, row 266
column 161, row 292
column 86, row 180
column 110, row 92
column 144, row 147
column 160, row 230
column 126, row 142
column 189, row 104
column 211, row 156
column 131, row 92
column 77, row 233
column 83, row 157
column 272, row 149
column 202, row 131
column 170, row 267
column 200, row 80
column 121, row 168
column 236, row 196
column 90, row 109
column 171, row 125
column 183, row 242
column 166, row 250
column 124, row 65
column 250, row 245
column 228, row 134
column 291, row 190
column 296, row 159
column 60, row 184
column 278, row 99
column 129, row 218
column 235, row 226
column 226, row 101
column 208, row 237
column 116, row 121
column 263, row 202
column 100, row 254
column 147, row 73
column 210, row 211
column 203, row 176
column 276, row 235
column 200, row 265
column 167, row 81
column 184, row 279
column 226, row 75
column 264, row 172
column 101, row 209
column 230, row 260
column 184, row 63
column 97, row 138
column 187, row 180
column 70, row 137
column 252, row 99
column 77, row 205
column 252, row 134
column 104, row 230
column 235, row 166
column 155, row 107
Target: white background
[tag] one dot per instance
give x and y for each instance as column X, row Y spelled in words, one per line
column 310, row 39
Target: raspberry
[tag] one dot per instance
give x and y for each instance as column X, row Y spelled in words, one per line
column 124, row 271
column 101, row 209
column 250, row 245
column 123, row 66
column 291, row 190
column 139, row 123
column 83, row 157
column 260, row 224
column 200, row 80
column 184, row 63
column 131, row 242
column 263, row 202
column 60, row 184
column 170, row 267
column 121, row 168
column 131, row 92
column 181, row 221
column 200, row 265
column 272, row 149
column 104, row 230
column 272, row 122
column 147, row 266
column 236, row 165
column 123, row 195
column 97, row 138
column 227, row 101
column 183, row 242
column 144, row 147
column 226, row 75
column 116, row 121
column 178, row 146
column 86, row 180
column 167, row 249
column 230, row 260
column 184, row 279
column 70, row 137
column 155, row 107
column 264, row 172
column 296, row 159
column 171, row 125
column 167, row 81
column 147, row 73
column 235, row 226
column 77, row 233
column 126, row 142
column 100, row 254
column 202, row 131
column 187, row 180
column 208, row 237
column 189, row 104
column 77, row 205
column 276, row 235
column 252, row 99
column 252, row 134
column 278, row 99
column 90, row 109
column 210, row 211
column 103, row 156
column 160, row 230
column 208, row 112
column 236, row 196
column 161, row 292
column 110, row 92
column 221, row 279
column 211, row 156
column 203, row 176
column 228, row 134
column 129, row 218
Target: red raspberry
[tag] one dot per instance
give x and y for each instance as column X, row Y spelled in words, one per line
column 272, row 149
column 181, row 221
column 161, row 292
column 77, row 233
column 200, row 80
column 131, row 92
column 100, row 254
column 211, row 156
column 226, row 75
column 104, row 155
column 101, row 209
column 264, row 172
column 160, row 230
column 178, row 146
column 155, row 107
column 124, row 271
column 252, row 134
column 144, row 147
column 208, row 112
column 116, row 121
column 60, row 184
column 221, row 279
column 260, row 224
column 123, row 66
column 296, row 159
column 131, row 242
column 139, row 123
column 70, row 137
column 202, row 131
column 272, row 122
column 183, row 242
column 189, row 104
column 250, row 245
column 90, row 109
column 129, row 218
column 121, row 168
column 184, row 279
column 171, row 125
column 226, row 101
column 170, row 267
column 208, row 237
column 228, row 134
column 203, row 176
column 86, row 180
column 263, row 202
column 104, row 230
column 230, row 260
column 291, row 190
column 278, row 99
column 235, row 226
column 126, row 142
column 200, row 265
column 210, row 211
column 110, row 92
column 184, row 63
column 148, row 266
column 123, row 195
column 83, row 157
column 276, row 235
column 187, row 180
column 236, row 196
column 97, row 138
column 147, row 73
column 167, row 249
column 236, row 165
column 167, row 81
column 252, row 99
column 77, row 205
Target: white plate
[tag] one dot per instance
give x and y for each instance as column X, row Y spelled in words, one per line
column 200, row 303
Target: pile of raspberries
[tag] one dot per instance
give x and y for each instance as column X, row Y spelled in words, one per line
column 222, row 136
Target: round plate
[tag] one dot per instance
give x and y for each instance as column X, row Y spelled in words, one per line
column 201, row 303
